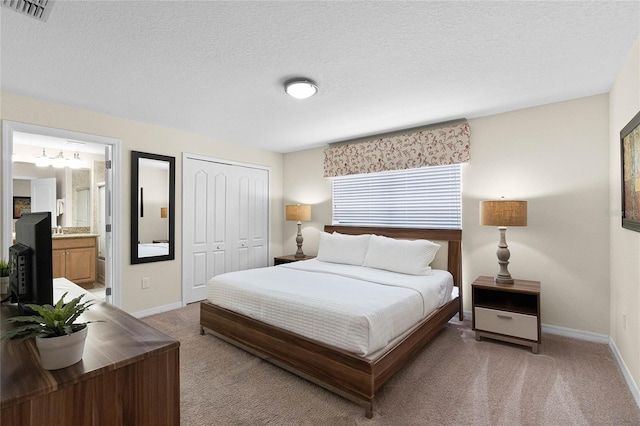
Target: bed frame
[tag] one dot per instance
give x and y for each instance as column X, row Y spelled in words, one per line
column 351, row 376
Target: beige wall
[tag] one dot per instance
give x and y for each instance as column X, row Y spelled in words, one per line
column 304, row 184
column 624, row 104
column 556, row 157
column 165, row 277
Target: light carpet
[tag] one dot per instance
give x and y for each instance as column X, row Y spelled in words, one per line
column 454, row 380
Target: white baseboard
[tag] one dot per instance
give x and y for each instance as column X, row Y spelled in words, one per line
column 157, row 310
column 592, row 337
column 576, row 334
column 633, row 386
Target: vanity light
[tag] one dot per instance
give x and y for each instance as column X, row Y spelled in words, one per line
column 43, row 161
column 300, row 88
column 59, row 161
column 76, row 162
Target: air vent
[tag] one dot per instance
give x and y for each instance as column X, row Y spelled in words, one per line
column 39, row 9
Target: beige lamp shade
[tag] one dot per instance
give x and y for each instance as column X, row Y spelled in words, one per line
column 503, row 213
column 164, row 212
column 299, row 212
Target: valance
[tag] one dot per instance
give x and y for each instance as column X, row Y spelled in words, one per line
column 449, row 144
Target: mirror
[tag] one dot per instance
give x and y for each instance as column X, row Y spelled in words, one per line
column 73, row 192
column 153, row 188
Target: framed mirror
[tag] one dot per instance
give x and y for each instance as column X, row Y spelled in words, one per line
column 153, row 223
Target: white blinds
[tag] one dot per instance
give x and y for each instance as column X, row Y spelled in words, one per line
column 428, row 197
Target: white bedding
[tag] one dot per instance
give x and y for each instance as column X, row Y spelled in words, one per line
column 153, row 249
column 354, row 308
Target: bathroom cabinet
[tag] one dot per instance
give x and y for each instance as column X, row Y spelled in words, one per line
column 74, row 258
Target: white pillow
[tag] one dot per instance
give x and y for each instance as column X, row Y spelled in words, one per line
column 342, row 248
column 404, row 256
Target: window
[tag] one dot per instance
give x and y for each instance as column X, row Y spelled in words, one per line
column 428, row 197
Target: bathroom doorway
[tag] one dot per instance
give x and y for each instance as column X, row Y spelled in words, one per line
column 87, row 184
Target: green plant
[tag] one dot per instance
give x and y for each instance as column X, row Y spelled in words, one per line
column 4, row 268
column 52, row 321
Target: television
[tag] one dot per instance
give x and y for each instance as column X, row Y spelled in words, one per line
column 30, row 259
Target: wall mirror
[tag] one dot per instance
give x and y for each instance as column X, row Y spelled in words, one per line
column 153, row 188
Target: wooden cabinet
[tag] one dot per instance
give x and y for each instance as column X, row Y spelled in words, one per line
column 129, row 375
column 279, row 260
column 75, row 258
column 508, row 312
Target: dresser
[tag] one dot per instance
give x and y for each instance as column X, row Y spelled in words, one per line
column 129, row 375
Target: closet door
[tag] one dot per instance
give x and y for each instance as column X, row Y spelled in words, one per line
column 249, row 226
column 225, row 222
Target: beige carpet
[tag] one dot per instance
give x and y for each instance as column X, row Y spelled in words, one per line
column 453, row 381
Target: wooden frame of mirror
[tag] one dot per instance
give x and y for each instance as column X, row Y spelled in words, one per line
column 162, row 247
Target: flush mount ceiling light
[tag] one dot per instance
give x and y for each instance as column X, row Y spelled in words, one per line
column 300, row 88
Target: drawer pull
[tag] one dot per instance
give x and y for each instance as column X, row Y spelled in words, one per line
column 503, row 316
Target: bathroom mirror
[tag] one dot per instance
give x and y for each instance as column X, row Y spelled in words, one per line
column 153, row 188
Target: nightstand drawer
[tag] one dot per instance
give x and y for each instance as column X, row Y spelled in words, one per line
column 508, row 323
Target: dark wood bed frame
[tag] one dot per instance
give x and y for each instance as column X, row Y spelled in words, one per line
column 351, row 376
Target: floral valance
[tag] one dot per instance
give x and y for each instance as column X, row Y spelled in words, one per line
column 449, row 144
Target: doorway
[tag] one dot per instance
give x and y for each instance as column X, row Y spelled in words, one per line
column 70, row 146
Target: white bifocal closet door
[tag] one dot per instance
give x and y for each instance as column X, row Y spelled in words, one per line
column 225, row 222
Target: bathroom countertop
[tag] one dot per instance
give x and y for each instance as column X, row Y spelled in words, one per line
column 61, row 236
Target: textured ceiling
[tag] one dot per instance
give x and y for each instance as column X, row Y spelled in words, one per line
column 217, row 68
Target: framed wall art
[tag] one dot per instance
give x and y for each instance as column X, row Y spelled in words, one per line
column 21, row 205
column 630, row 155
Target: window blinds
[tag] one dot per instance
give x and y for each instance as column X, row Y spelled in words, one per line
column 428, row 197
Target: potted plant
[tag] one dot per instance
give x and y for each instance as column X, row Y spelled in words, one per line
column 4, row 277
column 60, row 340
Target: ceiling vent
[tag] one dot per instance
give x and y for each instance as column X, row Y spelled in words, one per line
column 39, row 9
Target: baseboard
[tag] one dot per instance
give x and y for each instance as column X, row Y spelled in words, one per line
column 633, row 386
column 576, row 334
column 157, row 310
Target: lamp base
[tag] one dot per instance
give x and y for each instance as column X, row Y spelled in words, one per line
column 500, row 279
column 299, row 253
column 503, row 277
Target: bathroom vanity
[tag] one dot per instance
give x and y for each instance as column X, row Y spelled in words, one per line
column 75, row 257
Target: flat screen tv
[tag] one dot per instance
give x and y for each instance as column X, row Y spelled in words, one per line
column 31, row 273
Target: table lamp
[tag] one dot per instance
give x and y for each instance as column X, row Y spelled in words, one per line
column 299, row 213
column 503, row 213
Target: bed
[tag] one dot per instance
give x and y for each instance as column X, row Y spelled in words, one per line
column 153, row 249
column 354, row 373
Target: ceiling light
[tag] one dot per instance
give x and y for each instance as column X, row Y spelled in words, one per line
column 43, row 161
column 300, row 88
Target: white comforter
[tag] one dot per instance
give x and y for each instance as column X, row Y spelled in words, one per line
column 353, row 308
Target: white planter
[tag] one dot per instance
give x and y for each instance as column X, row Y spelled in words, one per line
column 62, row 351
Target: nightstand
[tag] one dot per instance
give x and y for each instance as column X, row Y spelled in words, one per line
column 507, row 312
column 279, row 260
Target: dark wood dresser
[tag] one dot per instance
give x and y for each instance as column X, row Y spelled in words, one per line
column 129, row 375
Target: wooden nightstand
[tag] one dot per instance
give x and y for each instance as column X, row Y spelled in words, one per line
column 508, row 312
column 279, row 260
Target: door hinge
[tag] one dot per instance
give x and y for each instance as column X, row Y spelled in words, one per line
column 107, row 291
column 107, row 164
column 108, row 227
